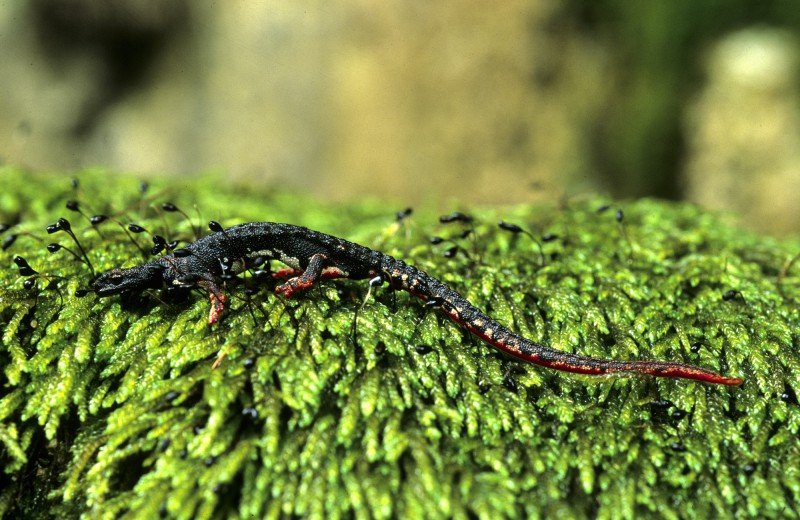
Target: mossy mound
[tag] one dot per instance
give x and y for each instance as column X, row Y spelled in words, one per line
column 114, row 407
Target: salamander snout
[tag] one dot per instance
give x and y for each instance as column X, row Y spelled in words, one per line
column 136, row 278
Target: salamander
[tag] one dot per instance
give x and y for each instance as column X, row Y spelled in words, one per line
column 311, row 255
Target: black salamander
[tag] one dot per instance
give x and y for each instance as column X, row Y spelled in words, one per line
column 311, row 255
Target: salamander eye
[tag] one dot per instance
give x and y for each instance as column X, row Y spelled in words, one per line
column 115, row 277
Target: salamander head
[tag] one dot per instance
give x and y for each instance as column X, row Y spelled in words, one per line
column 115, row 281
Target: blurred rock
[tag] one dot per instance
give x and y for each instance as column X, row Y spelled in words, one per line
column 417, row 100
column 743, row 131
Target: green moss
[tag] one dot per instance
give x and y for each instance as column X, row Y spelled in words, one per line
column 114, row 409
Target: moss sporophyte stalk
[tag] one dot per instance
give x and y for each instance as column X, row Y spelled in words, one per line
column 331, row 404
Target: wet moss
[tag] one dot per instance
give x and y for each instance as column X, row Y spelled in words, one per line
column 114, row 407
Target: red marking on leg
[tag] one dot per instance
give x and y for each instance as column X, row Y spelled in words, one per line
column 283, row 274
column 315, row 268
column 217, row 306
column 292, row 286
column 328, row 273
column 333, row 272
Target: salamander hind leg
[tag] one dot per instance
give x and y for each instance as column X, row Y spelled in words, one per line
column 305, row 280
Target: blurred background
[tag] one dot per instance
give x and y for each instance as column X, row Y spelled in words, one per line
column 421, row 102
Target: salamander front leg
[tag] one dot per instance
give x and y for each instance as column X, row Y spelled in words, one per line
column 305, row 280
column 216, row 296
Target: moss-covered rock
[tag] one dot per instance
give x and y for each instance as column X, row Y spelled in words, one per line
column 134, row 407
